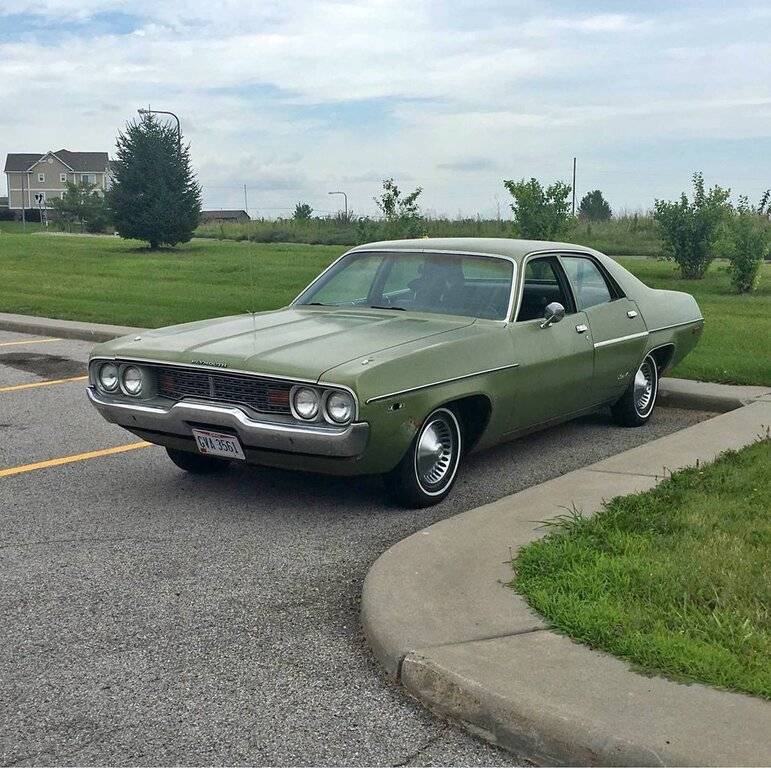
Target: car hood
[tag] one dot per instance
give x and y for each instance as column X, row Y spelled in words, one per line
column 296, row 342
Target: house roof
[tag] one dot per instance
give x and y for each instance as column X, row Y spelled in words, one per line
column 78, row 161
column 223, row 214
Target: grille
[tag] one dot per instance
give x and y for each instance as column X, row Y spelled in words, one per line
column 264, row 395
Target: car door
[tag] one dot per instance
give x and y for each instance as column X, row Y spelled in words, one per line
column 555, row 362
column 618, row 330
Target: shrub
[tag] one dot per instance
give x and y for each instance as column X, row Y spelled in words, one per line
column 690, row 230
column 594, row 207
column 745, row 244
column 539, row 214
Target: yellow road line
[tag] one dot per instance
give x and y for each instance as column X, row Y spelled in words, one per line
column 26, row 341
column 70, row 459
column 17, row 387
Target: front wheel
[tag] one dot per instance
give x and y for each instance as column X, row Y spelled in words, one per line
column 197, row 463
column 427, row 472
column 636, row 404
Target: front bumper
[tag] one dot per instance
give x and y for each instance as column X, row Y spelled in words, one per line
column 177, row 420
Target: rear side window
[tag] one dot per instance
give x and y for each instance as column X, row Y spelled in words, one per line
column 589, row 285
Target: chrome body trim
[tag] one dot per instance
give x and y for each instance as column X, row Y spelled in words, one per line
column 364, row 249
column 618, row 340
column 221, row 371
column 314, row 439
column 582, row 328
column 676, row 325
column 410, row 390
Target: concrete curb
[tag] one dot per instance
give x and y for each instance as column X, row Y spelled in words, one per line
column 63, row 329
column 704, row 396
column 438, row 616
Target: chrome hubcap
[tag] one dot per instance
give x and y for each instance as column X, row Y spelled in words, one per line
column 644, row 381
column 436, row 448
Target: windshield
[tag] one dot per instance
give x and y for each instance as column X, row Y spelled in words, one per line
column 448, row 284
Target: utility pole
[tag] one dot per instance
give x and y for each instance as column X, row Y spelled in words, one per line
column 246, row 202
column 574, row 186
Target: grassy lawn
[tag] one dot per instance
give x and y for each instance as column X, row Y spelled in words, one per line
column 736, row 345
column 114, row 281
column 676, row 580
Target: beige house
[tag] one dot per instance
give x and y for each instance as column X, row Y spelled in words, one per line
column 35, row 179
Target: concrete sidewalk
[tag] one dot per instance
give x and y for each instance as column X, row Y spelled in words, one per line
column 439, row 617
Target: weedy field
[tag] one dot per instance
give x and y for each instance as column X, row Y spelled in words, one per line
column 105, row 279
column 624, row 235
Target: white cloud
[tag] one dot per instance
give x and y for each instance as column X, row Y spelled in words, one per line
column 268, row 91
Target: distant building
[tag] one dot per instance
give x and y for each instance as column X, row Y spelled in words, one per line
column 35, row 179
column 210, row 217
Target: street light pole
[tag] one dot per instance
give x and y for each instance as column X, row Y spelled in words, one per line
column 164, row 112
column 345, row 198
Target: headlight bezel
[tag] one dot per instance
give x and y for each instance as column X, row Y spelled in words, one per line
column 350, row 401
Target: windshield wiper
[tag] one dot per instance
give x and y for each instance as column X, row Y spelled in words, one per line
column 375, row 306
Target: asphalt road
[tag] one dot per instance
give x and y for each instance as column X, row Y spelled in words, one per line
column 151, row 617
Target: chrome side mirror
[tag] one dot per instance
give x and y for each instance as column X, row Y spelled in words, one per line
column 553, row 313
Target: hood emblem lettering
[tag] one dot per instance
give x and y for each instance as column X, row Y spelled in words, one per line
column 212, row 363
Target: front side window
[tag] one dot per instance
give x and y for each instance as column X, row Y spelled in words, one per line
column 449, row 284
column 589, row 285
column 41, row 178
column 541, row 287
column 87, row 178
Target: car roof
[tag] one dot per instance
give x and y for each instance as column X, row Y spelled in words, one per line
column 492, row 246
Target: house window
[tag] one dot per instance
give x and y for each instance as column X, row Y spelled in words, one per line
column 63, row 178
column 41, row 178
column 88, row 178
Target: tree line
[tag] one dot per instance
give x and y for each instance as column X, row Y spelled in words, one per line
column 155, row 197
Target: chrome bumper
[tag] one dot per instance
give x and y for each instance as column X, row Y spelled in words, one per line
column 319, row 440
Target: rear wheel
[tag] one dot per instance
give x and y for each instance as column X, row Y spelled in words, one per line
column 196, row 463
column 636, row 405
column 427, row 472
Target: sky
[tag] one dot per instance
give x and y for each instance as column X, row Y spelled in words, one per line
column 295, row 99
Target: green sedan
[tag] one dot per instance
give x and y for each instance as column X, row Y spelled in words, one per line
column 399, row 359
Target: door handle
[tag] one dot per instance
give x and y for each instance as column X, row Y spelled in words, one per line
column 582, row 328
column 631, row 314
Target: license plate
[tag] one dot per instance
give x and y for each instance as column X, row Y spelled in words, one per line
column 218, row 444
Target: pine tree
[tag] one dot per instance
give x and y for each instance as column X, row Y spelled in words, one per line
column 155, row 195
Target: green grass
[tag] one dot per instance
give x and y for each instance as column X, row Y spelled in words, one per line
column 676, row 580
column 18, row 228
column 114, row 281
column 735, row 347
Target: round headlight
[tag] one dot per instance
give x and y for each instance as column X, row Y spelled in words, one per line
column 339, row 407
column 306, row 402
column 108, row 377
column 133, row 380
